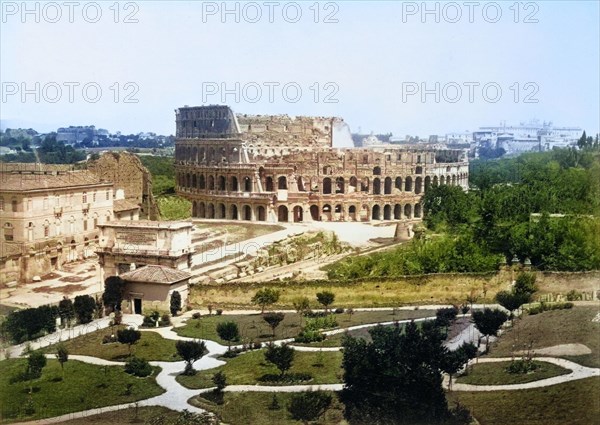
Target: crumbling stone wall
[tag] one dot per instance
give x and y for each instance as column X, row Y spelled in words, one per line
column 128, row 173
column 283, row 130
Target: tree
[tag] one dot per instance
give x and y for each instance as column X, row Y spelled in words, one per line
column 525, row 286
column 66, row 310
column 228, row 331
column 273, row 320
column 302, row 306
column 455, row 360
column 62, row 355
column 325, row 298
column 175, row 303
column 281, row 356
column 114, row 288
column 220, row 380
column 190, row 351
column 84, row 306
column 444, row 317
column 265, row 297
column 35, row 363
column 309, row 405
column 396, row 378
column 488, row 322
column 511, row 300
column 128, row 336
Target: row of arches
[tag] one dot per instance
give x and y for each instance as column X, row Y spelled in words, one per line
column 226, row 211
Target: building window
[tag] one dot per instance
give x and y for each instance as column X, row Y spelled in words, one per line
column 29, row 204
column 85, row 224
column 8, row 232
column 84, row 198
column 46, row 203
column 94, row 197
column 14, row 205
column 1, row 204
column 131, row 215
column 46, row 230
column 30, row 231
column 108, row 195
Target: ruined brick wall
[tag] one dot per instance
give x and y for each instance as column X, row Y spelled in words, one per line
column 128, row 173
column 283, row 130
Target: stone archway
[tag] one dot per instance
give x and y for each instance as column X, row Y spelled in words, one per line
column 282, row 214
column 298, row 214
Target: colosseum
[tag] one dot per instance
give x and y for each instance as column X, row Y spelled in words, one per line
column 288, row 169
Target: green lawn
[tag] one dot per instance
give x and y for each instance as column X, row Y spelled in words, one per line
column 553, row 328
column 143, row 415
column 254, row 328
column 252, row 408
column 84, row 386
column 496, row 374
column 247, row 368
column 151, row 346
column 573, row 403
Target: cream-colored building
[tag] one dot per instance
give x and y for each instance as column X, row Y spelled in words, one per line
column 48, row 216
column 151, row 287
column 126, row 245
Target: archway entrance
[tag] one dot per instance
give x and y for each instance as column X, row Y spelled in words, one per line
column 282, row 213
column 298, row 214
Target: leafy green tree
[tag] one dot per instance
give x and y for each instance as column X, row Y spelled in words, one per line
column 84, row 306
column 488, row 322
column 309, row 406
column 273, row 320
column 190, row 351
column 35, row 364
column 228, row 331
column 220, row 380
column 114, row 288
column 396, row 378
column 265, row 297
column 62, row 355
column 325, row 298
column 175, row 303
column 66, row 310
column 511, row 300
column 128, row 336
column 281, row 356
column 525, row 286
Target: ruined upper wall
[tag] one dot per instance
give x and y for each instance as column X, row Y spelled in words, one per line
column 211, row 121
column 283, row 130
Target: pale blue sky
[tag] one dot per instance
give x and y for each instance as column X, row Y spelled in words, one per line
column 370, row 54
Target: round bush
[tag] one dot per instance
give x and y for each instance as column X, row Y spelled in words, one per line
column 138, row 367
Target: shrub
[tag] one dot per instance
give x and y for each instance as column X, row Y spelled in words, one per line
column 219, row 311
column 338, row 310
column 148, row 322
column 257, row 345
column 165, row 320
column 321, row 322
column 138, row 367
column 308, row 406
column 308, row 336
column 522, row 366
column 220, row 380
column 196, row 315
column 109, row 339
column 573, row 295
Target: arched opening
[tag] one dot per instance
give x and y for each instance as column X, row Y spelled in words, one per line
column 435, row 180
column 377, row 171
column 427, row 183
column 247, row 213
column 418, row 185
column 375, row 214
column 211, row 183
column 419, row 170
column 387, row 212
column 364, row 213
column 417, row 210
column 442, row 180
column 376, row 186
column 314, row 184
column 397, row 211
column 408, row 211
column 327, row 170
column 327, row 186
column 282, row 183
column 211, row 211
column 352, row 212
column 339, row 213
column 201, row 182
column 387, row 186
column 398, row 183
column 314, row 212
column 234, row 184
column 408, row 187
column 194, row 182
column 234, row 212
column 300, row 184
column 188, row 181
column 453, row 180
column 261, row 214
column 201, row 210
column 340, row 185
column 221, row 212
column 194, row 209
column 364, row 185
column 269, row 184
column 326, row 215
column 222, row 183
column 282, row 214
column 298, row 214
column 247, row 184
column 352, row 185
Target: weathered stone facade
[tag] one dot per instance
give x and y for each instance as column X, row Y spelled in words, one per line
column 128, row 173
column 277, row 168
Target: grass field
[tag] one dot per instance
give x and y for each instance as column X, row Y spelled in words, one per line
column 553, row 328
column 252, row 408
column 143, row 415
column 83, row 386
column 496, row 374
column 151, row 346
column 409, row 291
column 254, row 328
column 572, row 403
column 247, row 368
